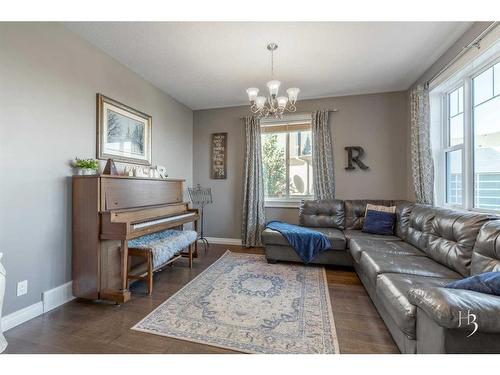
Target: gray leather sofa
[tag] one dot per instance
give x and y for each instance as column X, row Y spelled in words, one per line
column 404, row 274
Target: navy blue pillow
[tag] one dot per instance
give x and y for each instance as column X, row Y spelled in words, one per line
column 378, row 222
column 488, row 283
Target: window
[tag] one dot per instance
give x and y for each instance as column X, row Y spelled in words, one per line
column 287, row 160
column 469, row 159
column 486, row 130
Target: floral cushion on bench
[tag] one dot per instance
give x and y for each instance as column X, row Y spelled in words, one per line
column 164, row 245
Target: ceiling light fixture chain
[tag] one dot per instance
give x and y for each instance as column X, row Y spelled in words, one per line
column 272, row 105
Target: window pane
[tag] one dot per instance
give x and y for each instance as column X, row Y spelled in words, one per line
column 497, row 78
column 274, row 164
column 454, row 177
column 460, row 99
column 483, row 86
column 487, row 154
column 456, row 130
column 300, row 163
column 453, row 103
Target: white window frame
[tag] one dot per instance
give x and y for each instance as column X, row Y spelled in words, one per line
column 464, row 79
column 287, row 202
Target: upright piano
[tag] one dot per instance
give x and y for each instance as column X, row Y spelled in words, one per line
column 107, row 212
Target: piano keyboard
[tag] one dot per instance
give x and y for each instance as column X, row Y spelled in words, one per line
column 161, row 221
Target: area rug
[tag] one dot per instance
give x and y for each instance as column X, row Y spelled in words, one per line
column 245, row 304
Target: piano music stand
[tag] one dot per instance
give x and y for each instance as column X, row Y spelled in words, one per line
column 201, row 197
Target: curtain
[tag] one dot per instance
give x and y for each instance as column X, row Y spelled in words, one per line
column 421, row 153
column 254, row 221
column 322, row 158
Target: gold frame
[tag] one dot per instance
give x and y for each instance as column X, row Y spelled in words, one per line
column 101, row 154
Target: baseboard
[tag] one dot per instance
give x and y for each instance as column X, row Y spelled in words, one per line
column 50, row 300
column 57, row 296
column 21, row 316
column 224, row 241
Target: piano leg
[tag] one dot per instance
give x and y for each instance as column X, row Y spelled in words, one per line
column 122, row 295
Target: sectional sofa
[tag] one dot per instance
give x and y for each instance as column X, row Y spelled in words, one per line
column 405, row 274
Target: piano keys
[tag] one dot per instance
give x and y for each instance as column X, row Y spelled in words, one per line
column 107, row 212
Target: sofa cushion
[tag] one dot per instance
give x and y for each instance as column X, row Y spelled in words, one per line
column 392, row 290
column 419, row 225
column 452, row 238
column 486, row 253
column 355, row 211
column 403, row 212
column 354, row 233
column 335, row 236
column 373, row 264
column 359, row 245
column 326, row 213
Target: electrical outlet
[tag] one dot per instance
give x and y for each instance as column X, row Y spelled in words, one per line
column 22, row 288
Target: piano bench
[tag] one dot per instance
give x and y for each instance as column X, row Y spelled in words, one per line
column 160, row 249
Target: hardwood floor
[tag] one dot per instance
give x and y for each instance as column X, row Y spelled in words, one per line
column 89, row 327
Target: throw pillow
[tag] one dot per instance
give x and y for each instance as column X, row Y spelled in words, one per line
column 373, row 207
column 379, row 222
column 488, row 282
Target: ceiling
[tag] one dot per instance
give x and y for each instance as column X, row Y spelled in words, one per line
column 211, row 64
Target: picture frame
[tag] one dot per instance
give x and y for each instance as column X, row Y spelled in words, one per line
column 218, row 159
column 124, row 134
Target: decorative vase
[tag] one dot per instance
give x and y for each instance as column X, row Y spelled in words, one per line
column 84, row 171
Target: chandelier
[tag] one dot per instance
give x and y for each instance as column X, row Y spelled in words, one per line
column 272, row 105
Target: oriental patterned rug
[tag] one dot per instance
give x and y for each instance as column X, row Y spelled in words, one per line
column 243, row 303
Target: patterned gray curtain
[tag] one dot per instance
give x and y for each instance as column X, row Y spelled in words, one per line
column 421, row 153
column 322, row 158
column 253, row 186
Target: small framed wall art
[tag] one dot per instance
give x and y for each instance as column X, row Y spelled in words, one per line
column 218, row 158
column 123, row 133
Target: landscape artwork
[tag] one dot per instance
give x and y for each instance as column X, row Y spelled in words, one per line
column 124, row 134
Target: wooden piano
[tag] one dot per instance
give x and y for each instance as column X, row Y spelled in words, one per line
column 107, row 212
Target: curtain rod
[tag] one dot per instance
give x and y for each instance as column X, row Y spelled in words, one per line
column 475, row 43
column 302, row 113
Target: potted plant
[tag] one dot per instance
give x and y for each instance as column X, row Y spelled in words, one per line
column 85, row 167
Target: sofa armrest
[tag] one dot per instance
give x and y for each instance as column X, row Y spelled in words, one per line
column 447, row 306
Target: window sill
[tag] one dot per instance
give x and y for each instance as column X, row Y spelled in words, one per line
column 282, row 203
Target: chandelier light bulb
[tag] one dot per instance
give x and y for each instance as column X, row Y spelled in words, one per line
column 260, row 101
column 282, row 100
column 273, row 87
column 293, row 93
column 252, row 93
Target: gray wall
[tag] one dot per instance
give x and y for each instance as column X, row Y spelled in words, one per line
column 377, row 122
column 48, row 81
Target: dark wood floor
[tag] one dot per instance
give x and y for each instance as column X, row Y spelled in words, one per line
column 90, row 327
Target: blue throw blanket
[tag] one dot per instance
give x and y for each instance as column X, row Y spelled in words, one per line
column 306, row 242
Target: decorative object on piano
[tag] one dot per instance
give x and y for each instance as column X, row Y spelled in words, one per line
column 84, row 167
column 128, row 171
column 123, row 133
column 219, row 156
column 110, row 168
column 162, row 171
column 201, row 197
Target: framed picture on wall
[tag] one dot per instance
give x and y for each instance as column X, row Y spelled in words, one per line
column 219, row 156
column 123, row 133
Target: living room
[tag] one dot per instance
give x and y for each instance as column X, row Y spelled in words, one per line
column 283, row 186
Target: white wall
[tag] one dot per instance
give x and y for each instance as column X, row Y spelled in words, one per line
column 49, row 78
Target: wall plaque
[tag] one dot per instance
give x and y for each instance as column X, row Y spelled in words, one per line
column 354, row 156
column 219, row 156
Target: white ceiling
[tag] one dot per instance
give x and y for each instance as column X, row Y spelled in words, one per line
column 211, row 64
